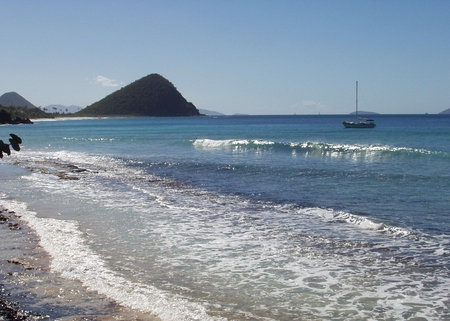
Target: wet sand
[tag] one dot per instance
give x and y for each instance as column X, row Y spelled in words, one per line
column 30, row 291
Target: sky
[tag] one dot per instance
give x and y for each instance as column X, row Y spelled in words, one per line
column 253, row 57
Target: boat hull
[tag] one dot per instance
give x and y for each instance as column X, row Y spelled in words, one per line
column 352, row 124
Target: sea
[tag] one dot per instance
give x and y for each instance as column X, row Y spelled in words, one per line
column 285, row 217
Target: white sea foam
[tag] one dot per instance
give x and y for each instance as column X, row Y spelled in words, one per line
column 229, row 143
column 313, row 261
column 315, row 148
column 366, row 223
column 74, row 260
column 356, row 220
column 217, row 144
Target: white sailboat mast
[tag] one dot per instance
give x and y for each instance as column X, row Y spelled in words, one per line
column 356, row 99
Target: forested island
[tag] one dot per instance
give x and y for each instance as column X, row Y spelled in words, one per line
column 152, row 95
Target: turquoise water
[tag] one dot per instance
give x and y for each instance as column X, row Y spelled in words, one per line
column 243, row 218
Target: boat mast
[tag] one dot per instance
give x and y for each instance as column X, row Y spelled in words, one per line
column 356, row 99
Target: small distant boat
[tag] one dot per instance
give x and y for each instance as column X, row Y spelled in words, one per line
column 359, row 122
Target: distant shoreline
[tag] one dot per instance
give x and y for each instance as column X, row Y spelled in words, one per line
column 62, row 118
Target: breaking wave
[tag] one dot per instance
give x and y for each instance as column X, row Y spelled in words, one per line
column 314, row 148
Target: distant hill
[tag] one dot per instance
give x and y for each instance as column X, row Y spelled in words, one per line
column 152, row 95
column 362, row 112
column 61, row 109
column 14, row 99
column 447, row 111
column 210, row 112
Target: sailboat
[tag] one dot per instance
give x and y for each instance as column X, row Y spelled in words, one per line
column 359, row 122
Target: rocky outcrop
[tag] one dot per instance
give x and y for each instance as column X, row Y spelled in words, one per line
column 5, row 118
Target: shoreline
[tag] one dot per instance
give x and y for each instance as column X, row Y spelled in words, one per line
column 29, row 290
column 10, row 307
column 61, row 119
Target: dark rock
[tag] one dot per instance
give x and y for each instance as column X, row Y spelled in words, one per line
column 11, row 311
column 14, row 226
column 5, row 118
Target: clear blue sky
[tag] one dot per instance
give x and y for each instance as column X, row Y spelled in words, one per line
column 233, row 56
